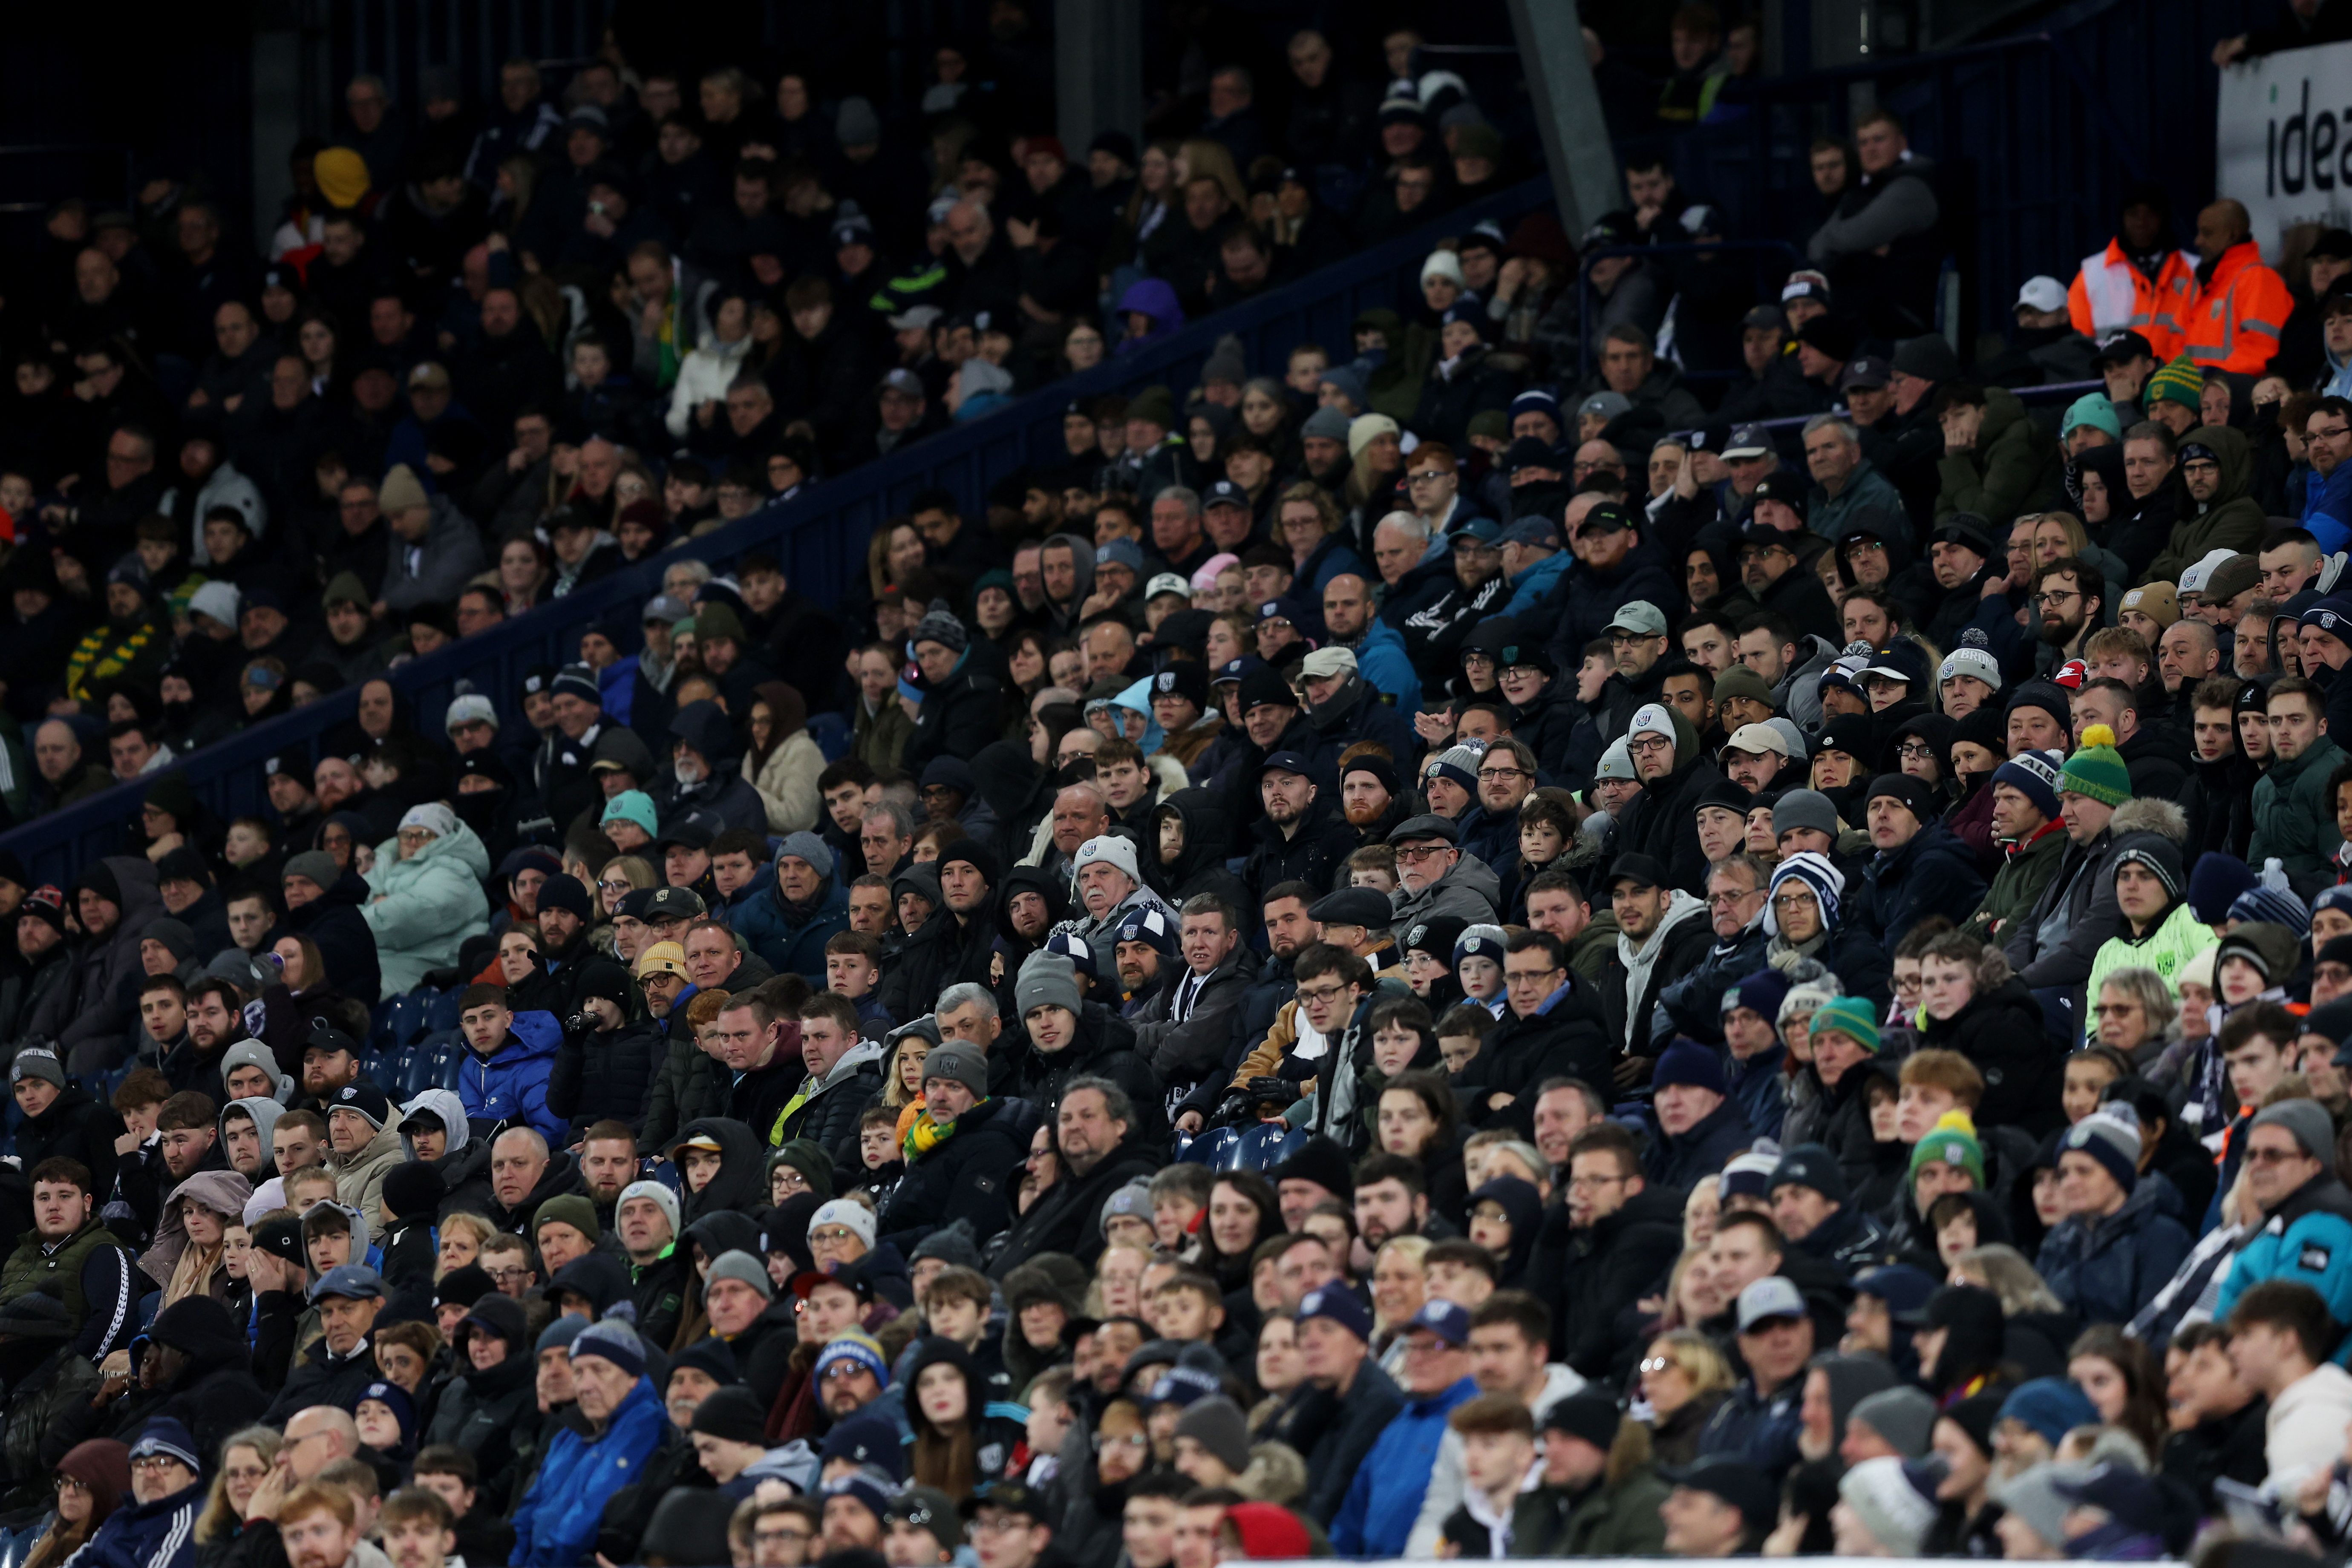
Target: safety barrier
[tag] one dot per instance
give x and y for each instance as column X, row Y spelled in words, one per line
column 819, row 537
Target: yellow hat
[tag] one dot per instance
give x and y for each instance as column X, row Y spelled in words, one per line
column 342, row 176
column 667, row 958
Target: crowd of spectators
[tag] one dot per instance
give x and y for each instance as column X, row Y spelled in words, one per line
column 1687, row 928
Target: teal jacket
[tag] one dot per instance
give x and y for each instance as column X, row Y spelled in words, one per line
column 2307, row 1239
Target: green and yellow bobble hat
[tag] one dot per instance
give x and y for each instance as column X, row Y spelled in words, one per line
column 1848, row 1016
column 1952, row 1141
column 2181, row 381
column 2096, row 768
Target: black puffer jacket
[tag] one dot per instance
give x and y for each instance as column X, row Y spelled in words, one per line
column 686, row 1086
column 1602, row 1270
column 1105, row 1048
column 334, row 921
column 598, row 1075
column 1200, row 866
column 493, row 1414
column 970, row 1176
column 2002, row 1033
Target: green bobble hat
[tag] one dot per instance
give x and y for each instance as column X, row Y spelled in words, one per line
column 1952, row 1141
column 2097, row 769
column 1850, row 1016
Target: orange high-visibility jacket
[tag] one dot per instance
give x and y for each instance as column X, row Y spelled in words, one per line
column 2236, row 321
column 2110, row 294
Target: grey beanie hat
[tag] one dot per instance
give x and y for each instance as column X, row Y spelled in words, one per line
column 2306, row 1121
column 805, row 845
column 960, row 1063
column 1804, row 809
column 253, row 1053
column 1904, row 1416
column 1047, row 980
column 2033, row 1498
column 1325, row 424
column 1218, row 1425
column 740, row 1265
column 1134, row 1200
column 315, row 865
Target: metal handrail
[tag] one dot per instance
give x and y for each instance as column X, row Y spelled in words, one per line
column 817, row 534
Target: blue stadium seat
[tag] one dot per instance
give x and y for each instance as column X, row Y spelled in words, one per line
column 447, row 1063
column 380, row 1025
column 441, row 1014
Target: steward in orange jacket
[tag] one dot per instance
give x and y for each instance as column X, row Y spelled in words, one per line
column 2242, row 305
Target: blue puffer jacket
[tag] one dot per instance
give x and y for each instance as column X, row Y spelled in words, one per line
column 159, row 1534
column 792, row 942
column 556, row 1525
column 2105, row 1275
column 1380, row 659
column 512, row 1081
column 2327, row 508
column 1384, row 1497
column 1532, row 587
column 2308, row 1239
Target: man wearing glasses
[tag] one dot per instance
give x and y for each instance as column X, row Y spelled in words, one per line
column 1011, row 1526
column 1736, row 887
column 164, row 1470
column 2067, row 609
column 1777, row 566
column 1552, row 1027
column 1434, row 879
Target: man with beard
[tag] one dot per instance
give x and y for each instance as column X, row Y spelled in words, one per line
column 1299, row 838
column 1777, row 568
column 1368, row 799
column 2068, row 599
column 1268, row 1007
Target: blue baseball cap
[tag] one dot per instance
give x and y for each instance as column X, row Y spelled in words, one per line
column 1336, row 1304
column 1478, row 531
column 1448, row 1320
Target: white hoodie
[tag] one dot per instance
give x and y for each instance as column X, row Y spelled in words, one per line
column 1640, row 961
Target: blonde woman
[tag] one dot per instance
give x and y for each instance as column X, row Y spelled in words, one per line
column 463, row 1235
column 1399, row 1289
column 1684, row 1378
column 246, row 1460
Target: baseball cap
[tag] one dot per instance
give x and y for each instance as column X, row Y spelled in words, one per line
column 1639, row 617
column 2121, row 347
column 1771, row 1297
column 2042, row 293
column 1865, row 372
column 1748, row 441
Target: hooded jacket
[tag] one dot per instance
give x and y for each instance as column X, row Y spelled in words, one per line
column 436, row 571
column 2014, row 465
column 790, row 937
column 359, row 1177
column 345, row 940
column 107, row 966
column 2231, row 521
column 511, row 1084
column 427, row 904
column 826, row 1110
column 556, row 1522
column 1200, row 865
column 1662, row 820
column 1637, row 972
column 722, row 791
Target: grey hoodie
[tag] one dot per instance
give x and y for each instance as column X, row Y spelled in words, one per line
column 435, row 571
column 1082, row 552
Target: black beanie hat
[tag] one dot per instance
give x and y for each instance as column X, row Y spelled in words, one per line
column 733, row 1414
column 562, row 890
column 414, row 1190
column 975, row 852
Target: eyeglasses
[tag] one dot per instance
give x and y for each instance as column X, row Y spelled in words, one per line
column 1316, row 995
column 1501, row 773
column 1912, row 751
column 1727, row 900
column 67, row 1483
column 842, row 1371
column 2115, row 1009
column 1133, row 1440
column 1660, row 1364
column 1516, row 977
column 1649, row 745
column 508, row 1276
column 2056, row 597
column 1794, row 901
column 831, row 1233
column 1427, row 476
column 1418, row 853
column 156, row 1464
column 782, row 1536
column 2274, row 1157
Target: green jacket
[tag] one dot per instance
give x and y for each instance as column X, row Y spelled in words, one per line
column 1620, row 1520
column 2294, row 819
column 2015, row 464
column 2017, row 885
column 2177, row 937
column 2232, row 520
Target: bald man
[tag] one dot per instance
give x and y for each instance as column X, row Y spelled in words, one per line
column 2240, row 303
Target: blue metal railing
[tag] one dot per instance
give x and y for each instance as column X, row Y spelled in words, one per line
column 819, row 537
